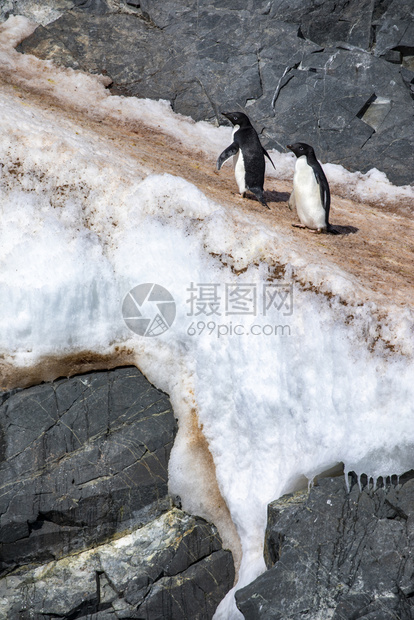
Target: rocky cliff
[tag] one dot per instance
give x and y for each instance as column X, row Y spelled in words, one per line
column 336, row 554
column 87, row 526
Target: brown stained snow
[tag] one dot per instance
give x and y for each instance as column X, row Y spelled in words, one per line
column 380, row 254
column 376, row 249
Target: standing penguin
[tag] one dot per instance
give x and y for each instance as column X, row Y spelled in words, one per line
column 311, row 195
column 248, row 156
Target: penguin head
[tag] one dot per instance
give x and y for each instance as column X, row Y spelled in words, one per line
column 300, row 148
column 237, row 118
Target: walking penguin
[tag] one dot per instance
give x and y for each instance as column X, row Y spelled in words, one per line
column 248, row 156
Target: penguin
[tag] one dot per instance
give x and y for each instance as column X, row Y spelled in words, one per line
column 311, row 195
column 248, row 156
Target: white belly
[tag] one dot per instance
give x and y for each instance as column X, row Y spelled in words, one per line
column 238, row 164
column 239, row 171
column 309, row 206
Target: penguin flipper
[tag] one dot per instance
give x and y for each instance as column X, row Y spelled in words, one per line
column 324, row 190
column 268, row 157
column 292, row 201
column 226, row 154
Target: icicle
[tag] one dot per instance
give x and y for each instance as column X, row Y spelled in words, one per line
column 348, row 488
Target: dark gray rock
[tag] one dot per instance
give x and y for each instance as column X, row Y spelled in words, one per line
column 395, row 30
column 326, row 23
column 87, row 527
column 170, row 569
column 195, row 593
column 338, row 555
column 82, row 459
column 353, row 108
column 336, row 74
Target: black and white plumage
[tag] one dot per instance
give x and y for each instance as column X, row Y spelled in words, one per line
column 248, row 156
column 311, row 195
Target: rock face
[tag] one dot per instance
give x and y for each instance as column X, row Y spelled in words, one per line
column 83, row 458
column 336, row 74
column 84, row 461
column 337, row 555
column 172, row 568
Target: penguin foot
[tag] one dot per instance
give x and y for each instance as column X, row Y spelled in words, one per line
column 315, row 231
column 237, row 195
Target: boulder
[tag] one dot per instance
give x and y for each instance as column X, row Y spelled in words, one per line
column 352, row 107
column 87, row 527
column 336, row 554
column 395, row 32
column 331, row 21
column 82, row 459
column 173, row 567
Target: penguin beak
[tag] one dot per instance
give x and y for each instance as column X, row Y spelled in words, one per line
column 289, row 146
column 228, row 116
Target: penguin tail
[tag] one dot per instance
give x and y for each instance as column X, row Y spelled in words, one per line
column 259, row 193
column 332, row 230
